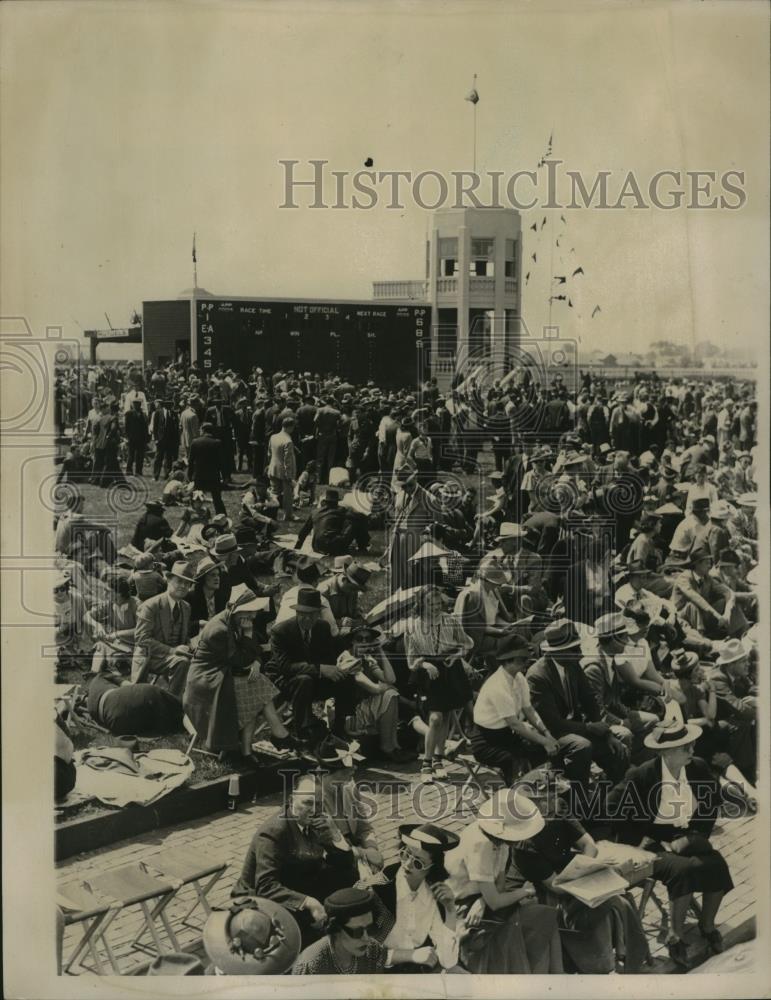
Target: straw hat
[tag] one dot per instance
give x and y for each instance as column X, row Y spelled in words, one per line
column 731, row 651
column 561, row 634
column 253, row 937
column 672, row 731
column 510, row 815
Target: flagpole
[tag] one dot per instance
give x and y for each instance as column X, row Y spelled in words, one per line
column 475, row 125
column 195, row 266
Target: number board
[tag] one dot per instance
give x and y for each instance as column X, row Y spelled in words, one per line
column 356, row 340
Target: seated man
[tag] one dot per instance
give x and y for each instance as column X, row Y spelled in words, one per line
column 703, row 602
column 305, row 573
column 303, row 665
column 481, row 612
column 737, row 705
column 601, row 670
column 693, row 530
column 299, row 855
column 564, row 699
column 162, row 632
column 342, row 591
column 126, row 709
column 334, row 528
column 523, row 569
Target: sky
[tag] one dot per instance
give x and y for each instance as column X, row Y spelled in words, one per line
column 126, row 127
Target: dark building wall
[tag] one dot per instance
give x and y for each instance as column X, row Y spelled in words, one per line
column 164, row 324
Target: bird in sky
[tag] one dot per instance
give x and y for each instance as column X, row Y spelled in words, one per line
column 578, row 270
column 595, row 311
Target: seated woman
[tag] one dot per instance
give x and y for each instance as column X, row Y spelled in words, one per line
column 423, row 905
column 435, row 644
column 339, row 798
column 299, row 856
column 226, row 691
column 207, row 598
column 643, row 682
column 118, row 615
column 594, row 938
column 510, row 932
column 75, row 628
column 507, row 729
column 351, row 945
column 669, row 812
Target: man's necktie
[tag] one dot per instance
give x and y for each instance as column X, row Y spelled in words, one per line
column 176, row 614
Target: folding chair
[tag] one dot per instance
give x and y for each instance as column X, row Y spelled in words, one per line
column 105, row 896
column 79, row 905
column 183, row 866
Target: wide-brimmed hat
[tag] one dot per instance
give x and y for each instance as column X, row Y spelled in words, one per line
column 720, row 511
column 206, row 565
column 243, row 599
column 559, row 635
column 224, row 544
column 366, row 635
column 428, row 836
column 510, row 815
column 254, row 937
column 335, row 752
column 307, row 570
column 668, row 509
column 672, row 731
column 698, row 554
column 183, row 570
column 684, row 661
column 747, row 500
column 509, row 529
column 731, row 651
column 308, row 600
column 613, row 625
column 357, row 575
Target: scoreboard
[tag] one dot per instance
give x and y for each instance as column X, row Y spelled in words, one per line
column 356, row 340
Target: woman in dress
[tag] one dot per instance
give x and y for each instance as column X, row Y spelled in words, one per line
column 678, row 799
column 435, row 644
column 509, row 931
column 226, row 691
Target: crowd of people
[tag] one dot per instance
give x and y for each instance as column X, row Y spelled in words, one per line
column 567, row 591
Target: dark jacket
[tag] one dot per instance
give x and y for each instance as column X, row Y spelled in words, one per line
column 607, row 690
column 210, row 696
column 634, row 802
column 283, row 863
column 288, row 648
column 150, row 525
column 205, row 462
column 198, row 610
column 137, row 427
column 327, row 523
column 549, row 700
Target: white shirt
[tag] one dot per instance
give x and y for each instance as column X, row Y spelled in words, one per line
column 286, row 610
column 677, row 804
column 475, row 860
column 131, row 396
column 638, row 655
column 417, row 918
column 501, row 697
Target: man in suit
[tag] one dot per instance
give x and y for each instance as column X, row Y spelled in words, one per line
column 205, row 465
column 220, row 416
column 258, row 439
column 413, row 513
column 303, row 664
column 327, row 422
column 162, row 632
column 565, row 701
column 282, row 468
column 164, row 427
column 137, row 436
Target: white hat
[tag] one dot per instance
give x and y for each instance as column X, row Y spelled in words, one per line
column 509, row 529
column 510, row 815
column 672, row 731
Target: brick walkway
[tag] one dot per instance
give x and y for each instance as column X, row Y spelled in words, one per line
column 227, row 835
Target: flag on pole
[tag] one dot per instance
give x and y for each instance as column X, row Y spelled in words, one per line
column 472, row 95
column 195, row 259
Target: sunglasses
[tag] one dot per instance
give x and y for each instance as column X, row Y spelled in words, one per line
column 417, row 864
column 358, row 932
